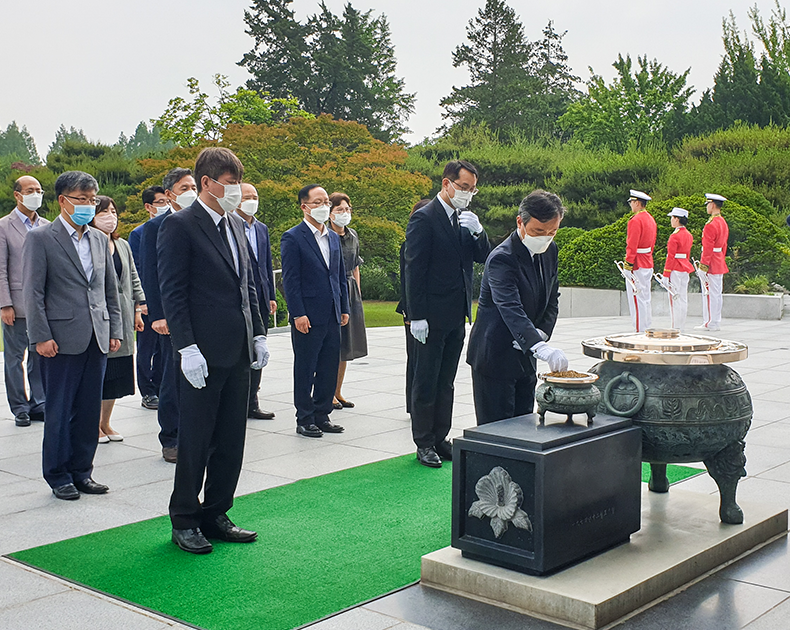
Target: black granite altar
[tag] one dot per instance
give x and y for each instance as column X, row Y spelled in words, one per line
column 537, row 497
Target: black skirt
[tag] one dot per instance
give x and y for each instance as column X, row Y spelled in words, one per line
column 353, row 339
column 118, row 378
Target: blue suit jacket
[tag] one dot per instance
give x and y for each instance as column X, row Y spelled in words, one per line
column 134, row 239
column 148, row 269
column 310, row 287
column 511, row 307
column 262, row 267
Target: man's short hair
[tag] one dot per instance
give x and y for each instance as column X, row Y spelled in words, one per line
column 453, row 169
column 149, row 194
column 18, row 185
column 304, row 193
column 75, row 180
column 215, row 162
column 541, row 205
column 174, row 176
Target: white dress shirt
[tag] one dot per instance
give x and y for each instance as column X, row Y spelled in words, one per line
column 217, row 217
column 447, row 208
column 252, row 237
column 322, row 238
column 26, row 220
column 82, row 245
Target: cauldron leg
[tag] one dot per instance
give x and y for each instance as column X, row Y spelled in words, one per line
column 727, row 467
column 658, row 478
column 541, row 415
column 590, row 416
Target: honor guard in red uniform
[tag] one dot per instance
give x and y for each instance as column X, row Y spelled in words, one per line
column 640, row 241
column 678, row 266
column 712, row 262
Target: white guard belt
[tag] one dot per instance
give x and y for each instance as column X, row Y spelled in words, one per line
column 716, row 250
column 647, row 250
column 680, row 255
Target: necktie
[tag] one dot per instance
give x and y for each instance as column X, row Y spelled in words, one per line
column 538, row 260
column 456, row 229
column 223, row 234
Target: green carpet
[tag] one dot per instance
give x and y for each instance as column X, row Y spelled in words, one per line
column 324, row 544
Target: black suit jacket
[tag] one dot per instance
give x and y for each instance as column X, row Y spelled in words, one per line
column 205, row 302
column 439, row 267
column 312, row 288
column 148, row 267
column 262, row 268
column 512, row 307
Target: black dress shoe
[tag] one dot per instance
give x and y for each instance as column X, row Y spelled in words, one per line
column 222, row 528
column 260, row 414
column 89, row 486
column 22, row 420
column 428, row 457
column 66, row 492
column 150, row 402
column 191, row 540
column 37, row 417
column 328, row 427
column 444, row 450
column 309, row 430
column 170, row 454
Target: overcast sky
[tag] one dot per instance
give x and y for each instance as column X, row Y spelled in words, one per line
column 104, row 66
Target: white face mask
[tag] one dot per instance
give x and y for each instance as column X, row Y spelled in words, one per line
column 32, row 201
column 341, row 219
column 249, row 207
column 461, row 198
column 106, row 222
column 536, row 244
column 186, row 199
column 232, row 197
column 320, row 214
column 161, row 210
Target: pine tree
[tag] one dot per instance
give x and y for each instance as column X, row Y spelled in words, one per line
column 340, row 65
column 62, row 135
column 19, row 144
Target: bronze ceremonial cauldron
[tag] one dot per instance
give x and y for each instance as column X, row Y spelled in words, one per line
column 568, row 395
column 690, row 406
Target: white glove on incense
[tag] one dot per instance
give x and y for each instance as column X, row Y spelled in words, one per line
column 261, row 352
column 469, row 220
column 555, row 357
column 194, row 366
column 419, row 329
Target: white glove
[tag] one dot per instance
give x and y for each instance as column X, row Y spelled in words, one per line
column 419, row 329
column 469, row 220
column 555, row 357
column 261, row 352
column 194, row 366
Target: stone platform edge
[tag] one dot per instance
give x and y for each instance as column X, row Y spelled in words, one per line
column 565, row 597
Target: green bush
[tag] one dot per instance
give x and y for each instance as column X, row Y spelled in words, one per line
column 756, row 285
column 567, row 235
column 756, row 246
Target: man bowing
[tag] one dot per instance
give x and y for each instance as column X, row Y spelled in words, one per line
column 516, row 313
column 209, row 299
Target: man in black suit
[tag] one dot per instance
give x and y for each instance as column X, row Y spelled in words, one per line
column 180, row 192
column 314, row 280
column 443, row 239
column 211, row 307
column 261, row 259
column 516, row 313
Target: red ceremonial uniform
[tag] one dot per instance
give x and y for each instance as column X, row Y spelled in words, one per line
column 640, row 240
column 679, row 251
column 714, row 245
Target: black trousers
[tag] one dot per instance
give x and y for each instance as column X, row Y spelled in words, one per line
column 169, row 411
column 499, row 399
column 410, row 342
column 435, row 366
column 149, row 359
column 73, row 388
column 316, row 360
column 210, row 443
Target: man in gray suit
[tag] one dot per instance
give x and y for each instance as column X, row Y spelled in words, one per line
column 74, row 320
column 13, row 230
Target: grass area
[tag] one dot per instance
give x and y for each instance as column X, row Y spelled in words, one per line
column 379, row 314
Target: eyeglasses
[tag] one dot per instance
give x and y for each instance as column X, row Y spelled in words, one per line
column 93, row 201
column 474, row 190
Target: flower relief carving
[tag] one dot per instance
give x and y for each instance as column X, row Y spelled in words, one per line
column 500, row 499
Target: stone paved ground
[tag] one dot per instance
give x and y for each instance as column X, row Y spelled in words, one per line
column 753, row 593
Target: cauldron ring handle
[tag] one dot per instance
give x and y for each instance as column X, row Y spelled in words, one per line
column 548, row 395
column 625, row 377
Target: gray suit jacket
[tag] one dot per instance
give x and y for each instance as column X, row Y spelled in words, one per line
column 60, row 302
column 12, row 238
column 130, row 293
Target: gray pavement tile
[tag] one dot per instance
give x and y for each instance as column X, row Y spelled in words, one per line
column 397, row 442
column 768, row 567
column 774, row 619
column 761, row 489
column 75, row 610
column 357, row 619
column 267, row 445
column 135, row 472
column 317, row 461
column 775, row 434
column 761, row 458
column 777, row 394
column 20, row 585
column 22, row 442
